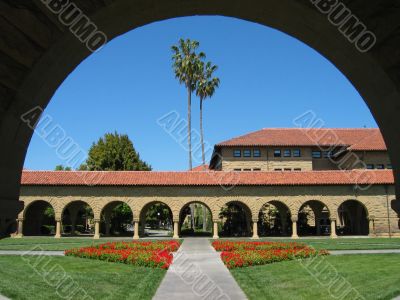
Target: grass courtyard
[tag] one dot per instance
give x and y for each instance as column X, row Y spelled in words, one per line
column 373, row 276
column 50, row 243
column 101, row 280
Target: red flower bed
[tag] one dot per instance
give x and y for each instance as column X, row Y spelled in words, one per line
column 156, row 254
column 243, row 254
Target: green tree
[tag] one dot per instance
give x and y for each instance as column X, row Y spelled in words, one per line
column 114, row 152
column 62, row 168
column 186, row 64
column 206, row 86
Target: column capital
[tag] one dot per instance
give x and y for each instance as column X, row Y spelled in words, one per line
column 57, row 219
column 371, row 218
column 20, row 219
column 96, row 220
column 136, row 220
column 332, row 219
column 294, row 218
column 254, row 220
column 216, row 220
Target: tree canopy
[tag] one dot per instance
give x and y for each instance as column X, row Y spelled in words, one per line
column 114, row 152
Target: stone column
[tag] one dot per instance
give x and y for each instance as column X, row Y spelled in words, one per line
column 58, row 229
column 20, row 228
column 294, row 227
column 371, row 223
column 255, row 230
column 176, row 227
column 215, row 231
column 136, row 229
column 96, row 229
column 333, row 228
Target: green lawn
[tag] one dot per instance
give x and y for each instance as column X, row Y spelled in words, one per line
column 373, row 276
column 101, row 280
column 50, row 243
column 341, row 243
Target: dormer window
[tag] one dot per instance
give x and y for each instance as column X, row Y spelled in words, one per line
column 247, row 153
column 316, row 154
column 296, row 153
column 277, row 153
column 287, row 153
column 237, row 153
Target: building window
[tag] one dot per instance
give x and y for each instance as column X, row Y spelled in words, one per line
column 237, row 170
column 237, row 153
column 247, row 170
column 297, row 169
column 287, row 153
column 370, row 166
column 257, row 153
column 279, row 170
column 247, row 153
column 316, row 154
column 327, row 154
column 288, row 169
column 380, row 167
column 296, row 153
column 277, row 153
column 390, row 167
column 256, row 169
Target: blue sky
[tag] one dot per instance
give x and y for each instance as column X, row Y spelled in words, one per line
column 267, row 79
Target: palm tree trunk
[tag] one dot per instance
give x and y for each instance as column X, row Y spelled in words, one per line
column 190, row 126
column 202, row 135
column 204, row 218
column 192, row 215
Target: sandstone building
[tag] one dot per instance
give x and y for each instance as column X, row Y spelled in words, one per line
column 315, row 181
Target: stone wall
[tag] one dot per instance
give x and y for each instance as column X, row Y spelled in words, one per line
column 375, row 199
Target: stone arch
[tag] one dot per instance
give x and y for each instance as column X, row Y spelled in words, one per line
column 353, row 218
column 76, row 209
column 281, row 220
column 144, row 208
column 208, row 221
column 239, row 224
column 34, row 216
column 47, row 66
column 108, row 223
column 314, row 218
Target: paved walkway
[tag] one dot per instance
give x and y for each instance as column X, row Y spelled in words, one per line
column 345, row 252
column 198, row 273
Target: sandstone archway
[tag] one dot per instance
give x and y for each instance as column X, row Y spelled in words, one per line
column 39, row 53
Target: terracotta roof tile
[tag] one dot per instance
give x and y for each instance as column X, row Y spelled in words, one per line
column 357, row 138
column 211, row 178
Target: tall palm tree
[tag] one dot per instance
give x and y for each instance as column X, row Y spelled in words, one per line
column 185, row 64
column 206, row 86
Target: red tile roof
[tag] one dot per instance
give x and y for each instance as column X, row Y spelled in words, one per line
column 201, row 168
column 212, row 178
column 357, row 139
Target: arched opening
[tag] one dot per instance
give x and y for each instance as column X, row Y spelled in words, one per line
column 274, row 219
column 371, row 73
column 195, row 219
column 313, row 219
column 235, row 219
column 116, row 219
column 353, row 218
column 156, row 220
column 39, row 219
column 77, row 219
